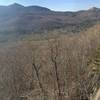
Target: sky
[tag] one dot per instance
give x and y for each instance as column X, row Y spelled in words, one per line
column 57, row 5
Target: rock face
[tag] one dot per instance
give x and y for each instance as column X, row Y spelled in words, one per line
column 18, row 19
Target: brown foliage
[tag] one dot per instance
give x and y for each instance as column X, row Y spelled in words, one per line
column 52, row 69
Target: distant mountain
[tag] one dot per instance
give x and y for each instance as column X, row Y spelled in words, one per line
column 18, row 19
column 94, row 9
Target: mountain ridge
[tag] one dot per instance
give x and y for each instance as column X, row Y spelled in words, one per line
column 20, row 5
column 18, row 19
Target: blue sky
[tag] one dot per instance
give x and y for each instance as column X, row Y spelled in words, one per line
column 58, row 5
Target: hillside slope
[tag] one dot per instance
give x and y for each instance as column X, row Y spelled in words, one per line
column 18, row 19
column 19, row 79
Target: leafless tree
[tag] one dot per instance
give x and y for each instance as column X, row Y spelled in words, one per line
column 54, row 47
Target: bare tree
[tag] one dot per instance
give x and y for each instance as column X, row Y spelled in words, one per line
column 54, row 47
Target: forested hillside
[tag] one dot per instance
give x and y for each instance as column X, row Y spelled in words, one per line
column 16, row 20
column 64, row 67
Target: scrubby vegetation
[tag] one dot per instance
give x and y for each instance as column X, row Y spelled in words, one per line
column 65, row 67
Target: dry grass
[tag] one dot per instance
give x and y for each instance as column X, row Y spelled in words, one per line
column 61, row 67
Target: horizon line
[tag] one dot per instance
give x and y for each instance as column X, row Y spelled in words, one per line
column 49, row 8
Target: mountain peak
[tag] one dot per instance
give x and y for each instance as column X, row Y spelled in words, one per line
column 16, row 5
column 94, row 9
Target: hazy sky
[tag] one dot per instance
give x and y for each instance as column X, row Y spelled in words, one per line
column 60, row 5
